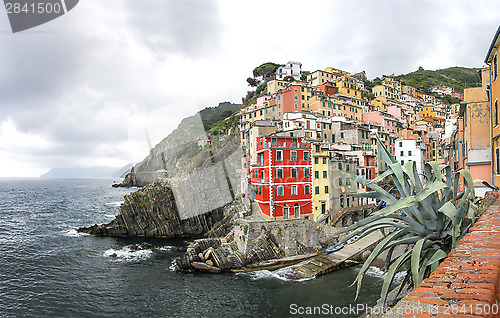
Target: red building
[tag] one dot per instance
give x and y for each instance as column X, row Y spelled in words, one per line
column 282, row 177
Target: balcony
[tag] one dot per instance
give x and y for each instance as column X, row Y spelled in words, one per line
column 268, row 145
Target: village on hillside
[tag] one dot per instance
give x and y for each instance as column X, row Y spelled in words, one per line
column 303, row 129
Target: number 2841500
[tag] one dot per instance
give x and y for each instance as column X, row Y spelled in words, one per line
column 38, row 8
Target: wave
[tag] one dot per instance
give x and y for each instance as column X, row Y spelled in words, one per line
column 117, row 203
column 127, row 255
column 173, row 266
column 287, row 274
column 73, row 233
column 376, row 272
column 166, row 248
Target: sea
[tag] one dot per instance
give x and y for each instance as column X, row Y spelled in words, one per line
column 47, row 269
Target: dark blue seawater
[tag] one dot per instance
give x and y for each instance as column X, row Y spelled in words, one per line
column 48, row 270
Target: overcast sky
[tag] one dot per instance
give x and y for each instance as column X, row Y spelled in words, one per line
column 86, row 88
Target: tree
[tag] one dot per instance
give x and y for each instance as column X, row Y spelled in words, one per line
column 252, row 82
column 266, row 70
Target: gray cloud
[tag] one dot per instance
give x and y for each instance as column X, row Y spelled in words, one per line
column 80, row 81
column 188, row 27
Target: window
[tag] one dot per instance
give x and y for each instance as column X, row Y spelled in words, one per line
column 294, row 190
column 402, row 153
column 279, row 155
column 316, row 160
column 340, row 165
column 496, row 112
column 296, row 210
column 306, row 155
column 400, row 144
column 317, row 148
column 326, row 189
column 307, row 189
column 295, row 143
column 402, row 162
column 341, row 183
column 285, row 212
column 348, row 181
column 279, row 173
column 495, row 68
column 294, row 173
column 324, row 175
column 274, row 141
column 347, row 167
column 342, row 201
column 307, row 172
column 316, row 190
column 409, row 153
column 324, row 161
column 316, row 174
column 280, row 191
column 293, row 155
column 342, row 135
column 497, row 153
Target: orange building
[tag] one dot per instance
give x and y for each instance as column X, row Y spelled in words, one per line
column 494, row 82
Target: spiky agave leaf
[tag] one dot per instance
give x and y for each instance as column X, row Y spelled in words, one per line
column 429, row 217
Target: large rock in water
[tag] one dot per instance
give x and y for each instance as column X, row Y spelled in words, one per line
column 152, row 212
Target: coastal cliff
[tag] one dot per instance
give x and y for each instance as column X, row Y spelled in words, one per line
column 186, row 147
column 152, row 212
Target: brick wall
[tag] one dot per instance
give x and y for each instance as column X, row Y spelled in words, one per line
column 467, row 283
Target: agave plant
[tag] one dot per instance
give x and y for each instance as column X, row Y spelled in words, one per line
column 425, row 217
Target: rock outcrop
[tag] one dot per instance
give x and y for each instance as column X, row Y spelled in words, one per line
column 252, row 245
column 152, row 212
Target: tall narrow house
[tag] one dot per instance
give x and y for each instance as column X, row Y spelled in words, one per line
column 281, row 177
column 492, row 61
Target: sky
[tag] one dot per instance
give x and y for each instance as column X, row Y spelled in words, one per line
column 89, row 88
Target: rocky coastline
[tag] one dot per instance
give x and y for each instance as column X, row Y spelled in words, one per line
column 152, row 212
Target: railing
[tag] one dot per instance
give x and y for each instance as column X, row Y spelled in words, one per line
column 284, row 145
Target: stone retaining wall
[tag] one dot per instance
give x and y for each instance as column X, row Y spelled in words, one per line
column 467, row 283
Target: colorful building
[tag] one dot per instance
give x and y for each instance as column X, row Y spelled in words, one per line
column 494, row 86
column 321, row 185
column 282, row 177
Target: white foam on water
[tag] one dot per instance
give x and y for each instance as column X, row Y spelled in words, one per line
column 173, row 266
column 166, row 248
column 375, row 272
column 73, row 233
column 378, row 273
column 117, row 203
column 287, row 274
column 127, row 255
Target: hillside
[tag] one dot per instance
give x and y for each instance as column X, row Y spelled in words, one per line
column 456, row 77
column 179, row 152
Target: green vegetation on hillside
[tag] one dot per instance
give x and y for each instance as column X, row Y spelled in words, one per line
column 266, row 69
column 211, row 116
column 456, row 77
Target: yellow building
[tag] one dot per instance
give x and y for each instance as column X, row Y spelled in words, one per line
column 492, row 61
column 380, row 103
column 347, row 85
column 324, row 105
column 275, row 85
column 321, row 191
column 390, row 88
column 431, row 111
column 306, row 96
column 329, row 74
